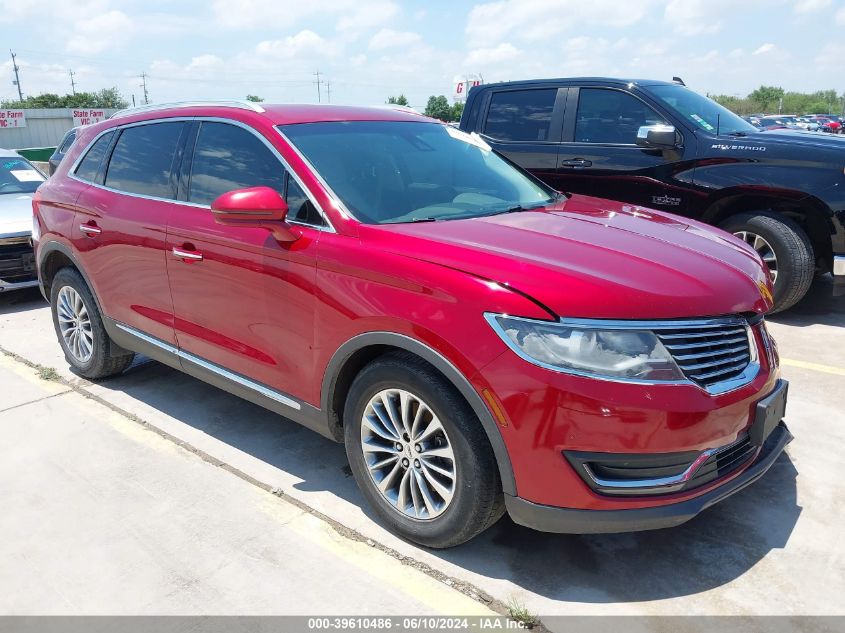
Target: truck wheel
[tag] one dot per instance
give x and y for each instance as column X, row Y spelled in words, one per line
column 80, row 330
column 419, row 454
column 784, row 248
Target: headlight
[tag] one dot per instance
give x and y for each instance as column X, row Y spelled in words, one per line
column 634, row 354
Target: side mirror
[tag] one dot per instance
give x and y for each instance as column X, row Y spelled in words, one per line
column 657, row 136
column 256, row 207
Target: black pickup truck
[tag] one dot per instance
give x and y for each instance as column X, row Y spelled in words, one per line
column 661, row 145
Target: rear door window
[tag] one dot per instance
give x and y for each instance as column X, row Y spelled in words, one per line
column 143, row 159
column 521, row 115
column 227, row 157
column 611, row 117
column 89, row 168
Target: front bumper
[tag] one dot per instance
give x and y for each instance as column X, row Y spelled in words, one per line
column 574, row 521
column 839, row 265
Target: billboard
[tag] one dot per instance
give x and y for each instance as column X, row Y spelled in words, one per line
column 462, row 84
column 12, row 118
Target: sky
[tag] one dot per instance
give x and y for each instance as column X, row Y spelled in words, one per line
column 368, row 50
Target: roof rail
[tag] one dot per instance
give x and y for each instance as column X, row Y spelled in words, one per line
column 152, row 107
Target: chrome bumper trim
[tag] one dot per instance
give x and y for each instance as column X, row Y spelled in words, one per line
column 839, row 265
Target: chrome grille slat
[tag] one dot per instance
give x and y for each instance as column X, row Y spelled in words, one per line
column 728, row 350
column 716, row 332
column 708, row 353
column 714, row 363
column 729, row 341
column 713, row 374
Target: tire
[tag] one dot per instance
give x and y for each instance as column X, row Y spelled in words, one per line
column 96, row 355
column 795, row 262
column 476, row 501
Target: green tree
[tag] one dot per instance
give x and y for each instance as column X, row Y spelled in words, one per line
column 401, row 100
column 767, row 96
column 254, row 98
column 457, row 110
column 438, row 108
column 106, row 98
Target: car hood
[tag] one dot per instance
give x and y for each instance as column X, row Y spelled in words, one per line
column 593, row 258
column 791, row 138
column 15, row 213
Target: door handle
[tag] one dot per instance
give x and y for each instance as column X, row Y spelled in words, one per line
column 90, row 230
column 576, row 162
column 193, row 256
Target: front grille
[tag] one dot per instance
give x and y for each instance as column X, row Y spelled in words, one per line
column 17, row 262
column 708, row 353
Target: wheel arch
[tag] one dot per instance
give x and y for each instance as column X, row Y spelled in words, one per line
column 52, row 257
column 357, row 352
column 810, row 213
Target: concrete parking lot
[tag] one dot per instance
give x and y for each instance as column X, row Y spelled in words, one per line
column 774, row 549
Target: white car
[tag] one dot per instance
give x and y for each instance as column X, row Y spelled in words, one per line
column 18, row 181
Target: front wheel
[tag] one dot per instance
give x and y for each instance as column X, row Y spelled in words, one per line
column 785, row 249
column 419, row 453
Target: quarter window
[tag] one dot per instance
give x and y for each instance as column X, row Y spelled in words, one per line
column 611, row 116
column 227, row 157
column 300, row 207
column 521, row 115
column 89, row 168
column 142, row 160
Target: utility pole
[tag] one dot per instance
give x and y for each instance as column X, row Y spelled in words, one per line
column 17, row 78
column 72, row 82
column 143, row 77
column 329, row 91
column 318, row 82
column 133, row 99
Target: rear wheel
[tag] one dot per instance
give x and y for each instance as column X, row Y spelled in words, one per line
column 785, row 249
column 79, row 327
column 419, row 454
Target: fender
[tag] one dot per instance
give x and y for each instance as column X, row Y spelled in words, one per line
column 52, row 246
column 445, row 367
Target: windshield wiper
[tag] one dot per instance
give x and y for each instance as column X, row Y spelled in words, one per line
column 737, row 133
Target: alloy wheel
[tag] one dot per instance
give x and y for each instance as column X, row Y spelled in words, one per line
column 75, row 324
column 763, row 248
column 408, row 454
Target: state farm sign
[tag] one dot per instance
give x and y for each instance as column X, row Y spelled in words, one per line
column 88, row 116
column 12, row 118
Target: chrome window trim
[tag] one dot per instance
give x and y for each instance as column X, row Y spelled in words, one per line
column 216, row 369
column 748, row 374
column 154, row 107
column 329, row 228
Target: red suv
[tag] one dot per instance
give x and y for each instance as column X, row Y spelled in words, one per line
column 480, row 342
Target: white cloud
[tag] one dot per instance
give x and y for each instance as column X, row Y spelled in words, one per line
column 303, row 43
column 768, row 47
column 482, row 57
column 840, row 17
column 534, row 20
column 693, row 17
column 351, row 15
column 100, row 32
column 388, row 38
column 810, row 6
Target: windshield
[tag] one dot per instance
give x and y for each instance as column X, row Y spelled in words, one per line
column 17, row 175
column 405, row 171
column 703, row 113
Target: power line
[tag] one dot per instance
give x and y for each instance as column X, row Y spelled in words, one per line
column 17, row 78
column 72, row 83
column 318, row 82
